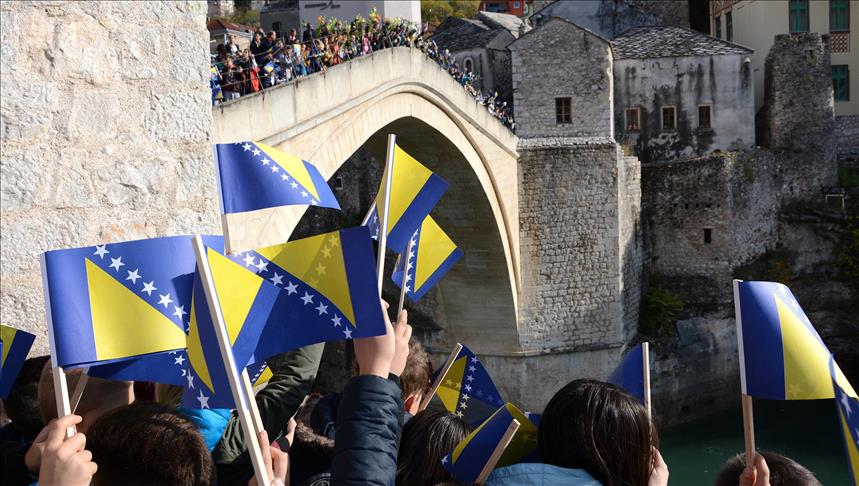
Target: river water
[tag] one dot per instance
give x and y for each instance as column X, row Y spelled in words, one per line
column 806, row 431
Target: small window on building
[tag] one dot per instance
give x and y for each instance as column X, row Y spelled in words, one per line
column 669, row 118
column 632, row 120
column 841, row 82
column 468, row 64
column 839, row 16
column 729, row 26
column 275, row 26
column 717, row 26
column 708, row 236
column 338, row 182
column 515, row 4
column 704, row 116
column 798, row 15
column 563, row 110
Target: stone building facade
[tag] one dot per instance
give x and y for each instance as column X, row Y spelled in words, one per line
column 106, row 123
column 680, row 93
column 609, row 18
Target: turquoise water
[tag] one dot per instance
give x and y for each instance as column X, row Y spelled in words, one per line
column 806, row 431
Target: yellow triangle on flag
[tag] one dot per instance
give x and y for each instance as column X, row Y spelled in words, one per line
column 236, row 288
column 434, row 248
column 195, row 348
column 318, row 261
column 524, row 440
column 409, row 177
column 123, row 324
column 7, row 335
column 451, row 384
column 293, row 166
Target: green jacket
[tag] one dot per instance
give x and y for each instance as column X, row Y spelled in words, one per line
column 293, row 375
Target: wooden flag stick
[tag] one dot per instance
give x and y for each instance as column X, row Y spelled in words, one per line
column 79, row 389
column 403, row 284
column 748, row 413
column 240, row 399
column 447, row 364
column 499, row 450
column 248, row 389
column 645, row 354
column 61, row 387
column 383, row 220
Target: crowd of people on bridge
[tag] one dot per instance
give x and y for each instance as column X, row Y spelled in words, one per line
column 373, row 432
column 279, row 57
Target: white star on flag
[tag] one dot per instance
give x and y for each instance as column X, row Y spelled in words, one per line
column 277, row 279
column 249, row 260
column 179, row 311
column 246, row 147
column 101, row 251
column 179, row 360
column 469, row 378
column 291, row 289
column 293, row 184
column 463, row 405
column 347, row 332
column 444, row 460
column 304, row 194
column 336, row 320
column 308, row 299
column 133, row 276
column 149, row 287
column 284, row 177
column 165, row 300
column 256, row 151
column 313, row 202
column 204, row 400
column 468, row 388
column 190, row 378
column 322, row 308
column 275, row 168
column 265, row 161
column 846, row 402
column 116, row 263
column 261, row 266
column 474, row 359
column 472, row 368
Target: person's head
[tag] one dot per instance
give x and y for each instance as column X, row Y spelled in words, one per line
column 415, row 379
column 600, row 428
column 427, row 438
column 148, row 443
column 22, row 405
column 784, row 471
column 257, row 37
column 99, row 396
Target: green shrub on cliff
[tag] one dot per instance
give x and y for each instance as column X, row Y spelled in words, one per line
column 659, row 310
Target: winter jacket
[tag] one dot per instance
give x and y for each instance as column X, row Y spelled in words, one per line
column 369, row 423
column 293, row 375
column 211, row 423
column 536, row 474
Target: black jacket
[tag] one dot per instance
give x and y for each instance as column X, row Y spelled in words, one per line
column 369, row 423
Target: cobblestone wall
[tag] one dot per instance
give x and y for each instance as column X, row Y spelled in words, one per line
column 106, row 123
column 847, row 135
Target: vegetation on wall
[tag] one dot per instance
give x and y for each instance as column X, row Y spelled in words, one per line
column 773, row 266
column 848, row 177
column 435, row 11
column 244, row 13
column 659, row 310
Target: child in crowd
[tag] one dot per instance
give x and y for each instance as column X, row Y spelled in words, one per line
column 770, row 469
column 427, row 438
column 591, row 434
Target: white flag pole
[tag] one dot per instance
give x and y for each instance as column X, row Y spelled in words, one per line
column 248, row 389
column 239, row 397
column 645, row 356
column 748, row 412
column 61, row 387
column 404, row 282
column 386, row 209
column 79, row 389
column 444, row 369
column 499, row 450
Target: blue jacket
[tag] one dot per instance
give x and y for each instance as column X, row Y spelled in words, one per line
column 536, row 474
column 369, row 423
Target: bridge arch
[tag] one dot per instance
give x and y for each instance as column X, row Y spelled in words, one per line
column 326, row 117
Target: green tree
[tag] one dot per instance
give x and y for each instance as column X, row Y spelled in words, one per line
column 435, row 11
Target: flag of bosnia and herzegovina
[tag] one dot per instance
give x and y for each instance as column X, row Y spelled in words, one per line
column 431, row 254
column 327, row 289
column 119, row 300
column 14, row 346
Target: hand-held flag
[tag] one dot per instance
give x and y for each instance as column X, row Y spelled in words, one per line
column 473, row 458
column 326, row 290
column 466, row 390
column 632, row 374
column 118, row 300
column 15, row 346
column 431, row 255
column 848, row 423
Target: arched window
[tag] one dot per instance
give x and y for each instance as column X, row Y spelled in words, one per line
column 468, row 64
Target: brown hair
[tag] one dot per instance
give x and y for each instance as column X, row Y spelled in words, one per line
column 147, row 444
column 416, row 375
column 22, row 404
column 427, row 438
column 784, row 471
column 97, row 394
column 600, row 428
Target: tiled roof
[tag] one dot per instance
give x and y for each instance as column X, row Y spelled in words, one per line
column 497, row 20
column 670, row 41
column 218, row 24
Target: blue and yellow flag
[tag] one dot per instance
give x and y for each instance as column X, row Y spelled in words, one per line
column 466, row 390
column 629, row 374
column 14, row 346
column 327, row 287
column 432, row 255
column 848, row 423
column 254, row 176
column 167, row 367
column 471, row 455
column 781, row 355
column 119, row 300
column 415, row 190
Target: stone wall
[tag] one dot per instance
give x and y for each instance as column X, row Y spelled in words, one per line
column 847, row 136
column 106, row 124
column 569, row 204
column 630, row 240
column 799, row 108
column 610, row 18
column 585, row 77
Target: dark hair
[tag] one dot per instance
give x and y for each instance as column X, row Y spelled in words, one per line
column 600, row 428
column 784, row 471
column 146, row 444
column 22, row 405
column 427, row 438
column 416, row 374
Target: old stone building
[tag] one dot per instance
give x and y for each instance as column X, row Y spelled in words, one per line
column 680, row 93
column 609, row 18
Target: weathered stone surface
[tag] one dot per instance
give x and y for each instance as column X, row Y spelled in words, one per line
column 104, row 136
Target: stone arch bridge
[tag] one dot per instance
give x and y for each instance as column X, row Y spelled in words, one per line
column 546, row 225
